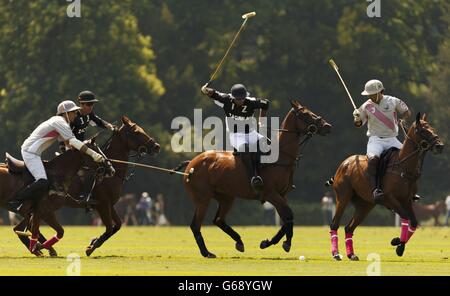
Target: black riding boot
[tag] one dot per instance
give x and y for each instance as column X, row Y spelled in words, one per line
column 372, row 167
column 256, row 181
column 33, row 191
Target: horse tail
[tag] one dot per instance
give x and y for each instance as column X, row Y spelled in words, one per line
column 182, row 165
column 329, row 182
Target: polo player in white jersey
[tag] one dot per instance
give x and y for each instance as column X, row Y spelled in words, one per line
column 47, row 133
column 381, row 113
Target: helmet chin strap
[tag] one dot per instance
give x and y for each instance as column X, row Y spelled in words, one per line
column 67, row 117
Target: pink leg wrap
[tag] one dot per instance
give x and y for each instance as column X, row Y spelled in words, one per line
column 349, row 243
column 404, row 233
column 50, row 242
column 411, row 231
column 334, row 242
column 33, row 241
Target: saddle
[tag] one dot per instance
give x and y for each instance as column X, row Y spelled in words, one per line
column 17, row 167
column 385, row 159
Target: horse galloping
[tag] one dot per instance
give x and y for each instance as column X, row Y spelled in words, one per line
column 129, row 137
column 399, row 184
column 222, row 176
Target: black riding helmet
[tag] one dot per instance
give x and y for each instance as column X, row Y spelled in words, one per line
column 238, row 91
column 87, row 96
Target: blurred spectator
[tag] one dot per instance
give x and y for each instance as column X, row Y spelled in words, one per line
column 143, row 209
column 327, row 208
column 269, row 214
column 447, row 202
column 126, row 209
column 158, row 210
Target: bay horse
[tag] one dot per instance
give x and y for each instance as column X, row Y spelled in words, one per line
column 129, row 137
column 399, row 185
column 222, row 176
column 60, row 172
column 427, row 211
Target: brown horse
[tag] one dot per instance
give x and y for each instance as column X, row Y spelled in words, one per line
column 399, row 184
column 222, row 176
column 129, row 137
column 60, row 172
column 424, row 212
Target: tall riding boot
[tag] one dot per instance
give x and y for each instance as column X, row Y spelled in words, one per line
column 33, row 191
column 256, row 181
column 372, row 167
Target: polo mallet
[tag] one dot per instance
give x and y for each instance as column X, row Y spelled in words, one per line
column 245, row 17
column 335, row 67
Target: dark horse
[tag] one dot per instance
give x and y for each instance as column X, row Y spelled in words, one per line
column 60, row 172
column 399, row 185
column 222, row 176
column 129, row 137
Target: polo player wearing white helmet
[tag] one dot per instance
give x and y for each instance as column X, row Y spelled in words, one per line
column 48, row 132
column 381, row 113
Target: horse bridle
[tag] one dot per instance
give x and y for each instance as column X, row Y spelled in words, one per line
column 311, row 129
column 141, row 147
column 422, row 147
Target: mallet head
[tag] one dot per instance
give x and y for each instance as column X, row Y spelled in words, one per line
column 249, row 15
column 333, row 64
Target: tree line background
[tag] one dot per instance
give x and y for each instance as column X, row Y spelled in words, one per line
column 147, row 59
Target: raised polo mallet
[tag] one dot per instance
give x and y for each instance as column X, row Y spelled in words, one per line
column 245, row 17
column 335, row 67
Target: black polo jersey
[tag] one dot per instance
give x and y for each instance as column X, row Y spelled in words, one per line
column 81, row 122
column 244, row 113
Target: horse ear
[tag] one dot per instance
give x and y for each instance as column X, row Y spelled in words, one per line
column 418, row 118
column 125, row 120
column 293, row 104
column 424, row 117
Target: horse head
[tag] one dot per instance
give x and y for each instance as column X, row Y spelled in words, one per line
column 306, row 122
column 136, row 139
column 425, row 137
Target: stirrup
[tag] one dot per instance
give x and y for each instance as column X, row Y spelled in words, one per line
column 377, row 195
column 14, row 205
column 257, row 183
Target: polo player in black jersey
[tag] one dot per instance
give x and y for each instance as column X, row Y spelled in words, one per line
column 239, row 110
column 86, row 117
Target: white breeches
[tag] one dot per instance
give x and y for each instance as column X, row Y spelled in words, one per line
column 34, row 165
column 238, row 140
column 377, row 145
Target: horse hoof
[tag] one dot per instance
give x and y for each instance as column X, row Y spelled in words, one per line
column 264, row 244
column 89, row 251
column 400, row 249
column 52, row 252
column 286, row 246
column 210, row 255
column 353, row 257
column 395, row 241
column 240, row 247
column 337, row 257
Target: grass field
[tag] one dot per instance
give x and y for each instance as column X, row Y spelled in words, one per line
column 172, row 251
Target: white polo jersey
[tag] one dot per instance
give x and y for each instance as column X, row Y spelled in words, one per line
column 382, row 118
column 48, row 132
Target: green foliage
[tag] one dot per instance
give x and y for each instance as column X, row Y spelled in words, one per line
column 148, row 59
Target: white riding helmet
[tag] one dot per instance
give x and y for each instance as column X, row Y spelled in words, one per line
column 372, row 87
column 66, row 106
